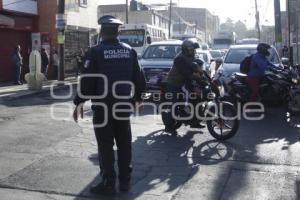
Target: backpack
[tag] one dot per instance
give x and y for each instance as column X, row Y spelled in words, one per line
column 245, row 65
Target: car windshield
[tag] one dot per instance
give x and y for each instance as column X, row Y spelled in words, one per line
column 162, row 51
column 222, row 41
column 134, row 38
column 216, row 54
column 236, row 56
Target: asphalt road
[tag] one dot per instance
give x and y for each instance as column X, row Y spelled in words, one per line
column 45, row 155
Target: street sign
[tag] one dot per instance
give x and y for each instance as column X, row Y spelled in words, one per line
column 61, row 22
column 60, row 38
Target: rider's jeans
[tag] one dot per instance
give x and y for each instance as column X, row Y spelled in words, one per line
column 254, row 86
column 176, row 92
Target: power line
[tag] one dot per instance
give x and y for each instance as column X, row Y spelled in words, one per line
column 265, row 13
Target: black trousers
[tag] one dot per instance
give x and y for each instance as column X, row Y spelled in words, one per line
column 118, row 131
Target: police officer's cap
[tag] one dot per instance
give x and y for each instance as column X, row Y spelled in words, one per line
column 109, row 21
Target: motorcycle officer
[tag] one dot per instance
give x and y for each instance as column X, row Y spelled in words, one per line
column 116, row 62
column 181, row 74
column 259, row 64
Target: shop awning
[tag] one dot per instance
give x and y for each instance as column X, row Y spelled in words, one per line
column 6, row 21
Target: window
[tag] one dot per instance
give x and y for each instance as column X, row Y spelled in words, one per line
column 134, row 38
column 83, row 3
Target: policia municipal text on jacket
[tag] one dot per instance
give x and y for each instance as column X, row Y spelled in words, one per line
column 118, row 76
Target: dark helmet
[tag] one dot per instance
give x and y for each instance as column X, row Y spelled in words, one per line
column 263, row 49
column 199, row 61
column 109, row 25
column 219, row 61
column 188, row 47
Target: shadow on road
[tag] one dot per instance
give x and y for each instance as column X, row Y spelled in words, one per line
column 162, row 164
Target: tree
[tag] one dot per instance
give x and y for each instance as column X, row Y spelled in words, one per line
column 227, row 26
column 240, row 29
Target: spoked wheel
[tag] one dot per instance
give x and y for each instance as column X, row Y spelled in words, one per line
column 225, row 124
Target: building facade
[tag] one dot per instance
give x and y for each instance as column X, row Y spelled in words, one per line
column 294, row 12
column 201, row 17
column 18, row 19
column 150, row 17
column 32, row 25
column 81, row 27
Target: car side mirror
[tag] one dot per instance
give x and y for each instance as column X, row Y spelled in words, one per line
column 149, row 41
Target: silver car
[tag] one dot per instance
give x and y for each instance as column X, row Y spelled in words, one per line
column 235, row 55
column 157, row 61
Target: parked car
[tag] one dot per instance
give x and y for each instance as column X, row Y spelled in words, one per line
column 208, row 59
column 216, row 54
column 157, row 61
column 236, row 54
column 204, row 46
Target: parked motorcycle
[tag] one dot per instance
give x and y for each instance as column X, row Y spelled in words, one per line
column 220, row 116
column 293, row 98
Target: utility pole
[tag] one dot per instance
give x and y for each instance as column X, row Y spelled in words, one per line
column 257, row 20
column 61, row 37
column 126, row 11
column 170, row 18
column 288, row 10
column 278, row 31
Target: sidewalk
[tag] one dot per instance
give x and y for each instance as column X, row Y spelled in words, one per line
column 9, row 91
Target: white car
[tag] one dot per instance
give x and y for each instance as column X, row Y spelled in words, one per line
column 158, row 59
column 235, row 55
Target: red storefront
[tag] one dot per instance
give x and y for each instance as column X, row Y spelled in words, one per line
column 17, row 22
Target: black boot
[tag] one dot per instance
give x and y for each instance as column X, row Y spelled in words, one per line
column 124, row 183
column 106, row 187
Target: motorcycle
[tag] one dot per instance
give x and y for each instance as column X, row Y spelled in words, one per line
column 276, row 83
column 293, row 98
column 221, row 117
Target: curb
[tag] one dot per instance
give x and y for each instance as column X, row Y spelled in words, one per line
column 30, row 93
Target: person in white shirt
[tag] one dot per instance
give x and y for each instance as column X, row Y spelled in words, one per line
column 55, row 60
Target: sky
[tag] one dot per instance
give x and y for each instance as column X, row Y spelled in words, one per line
column 243, row 10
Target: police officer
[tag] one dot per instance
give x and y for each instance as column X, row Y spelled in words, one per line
column 113, row 61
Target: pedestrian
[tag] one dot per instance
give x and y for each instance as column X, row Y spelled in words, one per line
column 117, row 62
column 45, row 62
column 285, row 52
column 80, row 61
column 55, row 60
column 18, row 62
